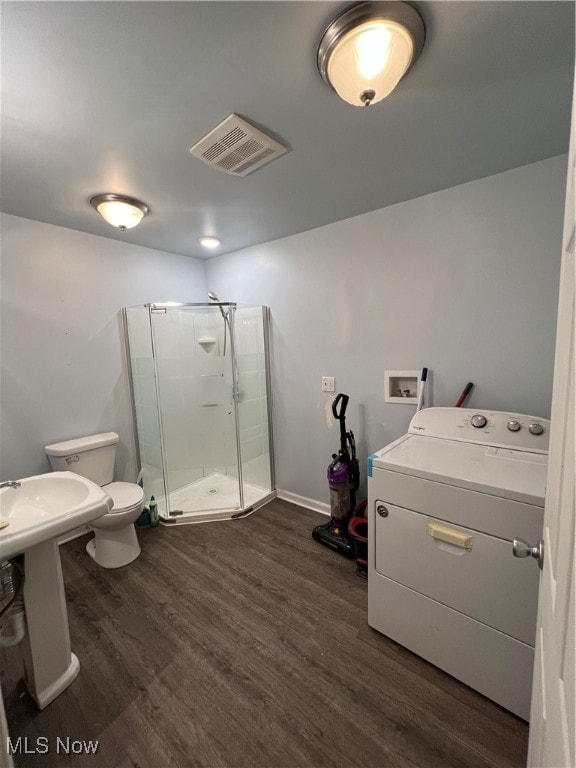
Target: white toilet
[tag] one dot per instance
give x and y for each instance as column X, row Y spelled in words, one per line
column 115, row 542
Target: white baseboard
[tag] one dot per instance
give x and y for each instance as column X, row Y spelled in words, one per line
column 304, row 501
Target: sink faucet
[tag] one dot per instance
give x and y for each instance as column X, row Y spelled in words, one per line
column 10, row 484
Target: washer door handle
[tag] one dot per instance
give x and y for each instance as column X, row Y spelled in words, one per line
column 521, row 548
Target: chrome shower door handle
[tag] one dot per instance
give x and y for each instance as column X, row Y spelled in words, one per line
column 521, row 548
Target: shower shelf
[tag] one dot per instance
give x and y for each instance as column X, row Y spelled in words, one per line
column 207, row 343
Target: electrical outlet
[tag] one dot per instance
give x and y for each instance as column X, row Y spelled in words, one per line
column 328, row 384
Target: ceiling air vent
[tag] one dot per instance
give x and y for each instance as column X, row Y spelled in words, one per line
column 236, row 147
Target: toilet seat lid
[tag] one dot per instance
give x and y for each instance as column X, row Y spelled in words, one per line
column 124, row 495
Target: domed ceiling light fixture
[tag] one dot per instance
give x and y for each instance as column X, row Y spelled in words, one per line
column 119, row 210
column 368, row 48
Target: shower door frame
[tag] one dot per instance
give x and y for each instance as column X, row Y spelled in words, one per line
column 217, row 514
column 172, row 518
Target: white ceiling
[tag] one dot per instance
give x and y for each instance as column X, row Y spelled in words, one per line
column 108, row 97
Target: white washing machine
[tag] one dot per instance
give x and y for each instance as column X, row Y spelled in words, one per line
column 446, row 502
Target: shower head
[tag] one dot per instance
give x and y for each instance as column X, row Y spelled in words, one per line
column 212, row 296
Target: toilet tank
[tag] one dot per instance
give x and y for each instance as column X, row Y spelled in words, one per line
column 92, row 457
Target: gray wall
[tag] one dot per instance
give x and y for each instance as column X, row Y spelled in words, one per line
column 63, row 366
column 463, row 281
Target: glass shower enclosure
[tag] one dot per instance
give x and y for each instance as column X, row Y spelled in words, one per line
column 201, row 397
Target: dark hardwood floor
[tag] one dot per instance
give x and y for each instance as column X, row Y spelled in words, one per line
column 244, row 644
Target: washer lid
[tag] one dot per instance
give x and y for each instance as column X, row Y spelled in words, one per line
column 512, row 474
column 124, row 495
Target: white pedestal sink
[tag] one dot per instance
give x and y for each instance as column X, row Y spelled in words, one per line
column 41, row 509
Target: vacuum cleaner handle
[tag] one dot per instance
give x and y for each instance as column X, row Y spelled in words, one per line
column 344, row 404
column 340, row 415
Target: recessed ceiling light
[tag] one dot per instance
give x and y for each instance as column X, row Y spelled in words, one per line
column 209, row 242
column 119, row 210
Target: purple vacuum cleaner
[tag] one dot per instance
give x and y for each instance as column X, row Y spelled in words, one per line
column 343, row 481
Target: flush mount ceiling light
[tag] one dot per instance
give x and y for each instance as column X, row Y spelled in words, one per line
column 209, row 242
column 367, row 50
column 119, row 210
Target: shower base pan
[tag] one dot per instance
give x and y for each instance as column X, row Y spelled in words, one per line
column 214, row 497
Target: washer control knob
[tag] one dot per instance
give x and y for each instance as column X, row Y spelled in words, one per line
column 478, row 421
column 535, row 428
column 514, row 426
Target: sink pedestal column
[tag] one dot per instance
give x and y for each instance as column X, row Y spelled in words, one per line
column 49, row 664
